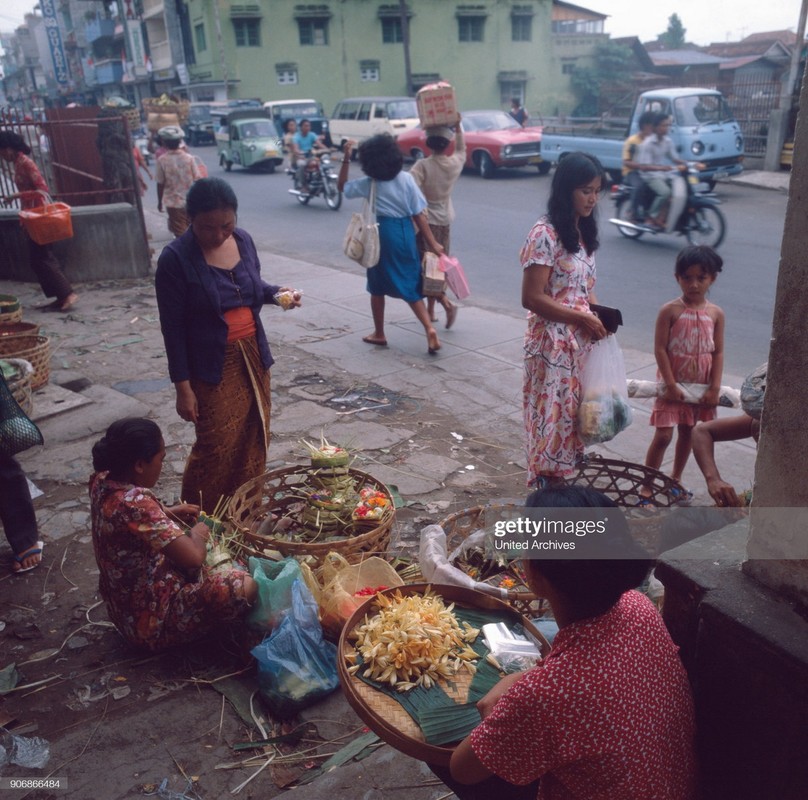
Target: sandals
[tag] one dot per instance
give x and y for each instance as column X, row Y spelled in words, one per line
column 681, row 497
column 369, row 339
column 36, row 550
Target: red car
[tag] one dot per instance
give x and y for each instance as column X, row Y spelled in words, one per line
column 493, row 139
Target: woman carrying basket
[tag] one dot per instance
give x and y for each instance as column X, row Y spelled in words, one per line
column 31, row 184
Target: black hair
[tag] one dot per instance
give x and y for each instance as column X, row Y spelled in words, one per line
column 14, row 141
column 660, row 117
column 287, row 123
column 574, row 171
column 437, row 144
column 126, row 441
column 380, row 157
column 647, row 118
column 304, row 121
column 698, row 255
column 210, row 194
column 515, row 101
column 171, row 144
column 591, row 586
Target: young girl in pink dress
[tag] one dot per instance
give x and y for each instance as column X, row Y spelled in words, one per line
column 689, row 348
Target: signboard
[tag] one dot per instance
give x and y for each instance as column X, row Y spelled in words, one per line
column 51, row 23
column 135, row 33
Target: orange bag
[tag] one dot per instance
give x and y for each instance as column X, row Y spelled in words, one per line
column 48, row 223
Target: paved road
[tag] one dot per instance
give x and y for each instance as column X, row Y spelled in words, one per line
column 493, row 219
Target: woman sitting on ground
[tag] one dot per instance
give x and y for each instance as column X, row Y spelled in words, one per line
column 152, row 575
column 609, row 712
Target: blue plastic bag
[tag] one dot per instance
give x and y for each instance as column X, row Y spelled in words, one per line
column 296, row 666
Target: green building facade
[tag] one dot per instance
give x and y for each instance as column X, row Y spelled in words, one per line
column 489, row 50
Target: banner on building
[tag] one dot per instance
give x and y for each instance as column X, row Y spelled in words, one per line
column 51, row 23
column 137, row 49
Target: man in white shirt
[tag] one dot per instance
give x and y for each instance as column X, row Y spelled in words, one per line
column 657, row 152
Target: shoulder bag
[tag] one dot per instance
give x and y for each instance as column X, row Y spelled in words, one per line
column 361, row 243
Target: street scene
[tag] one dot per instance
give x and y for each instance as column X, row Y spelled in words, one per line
column 242, row 433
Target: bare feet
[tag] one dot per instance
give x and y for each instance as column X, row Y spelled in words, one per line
column 68, row 302
column 433, row 345
column 451, row 314
column 379, row 341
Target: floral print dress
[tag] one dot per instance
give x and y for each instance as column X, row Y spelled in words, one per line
column 152, row 602
column 553, row 350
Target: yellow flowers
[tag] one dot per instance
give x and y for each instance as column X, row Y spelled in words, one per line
column 414, row 640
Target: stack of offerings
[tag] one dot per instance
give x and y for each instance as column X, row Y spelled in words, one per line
column 334, row 494
column 437, row 105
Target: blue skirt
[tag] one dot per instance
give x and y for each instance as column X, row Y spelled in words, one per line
column 398, row 273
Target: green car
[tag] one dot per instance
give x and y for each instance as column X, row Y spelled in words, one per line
column 249, row 138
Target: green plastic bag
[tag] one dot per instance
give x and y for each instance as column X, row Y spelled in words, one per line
column 274, row 579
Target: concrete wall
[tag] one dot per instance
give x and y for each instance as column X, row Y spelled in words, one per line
column 108, row 242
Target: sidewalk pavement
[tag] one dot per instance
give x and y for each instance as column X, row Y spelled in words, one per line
column 445, row 429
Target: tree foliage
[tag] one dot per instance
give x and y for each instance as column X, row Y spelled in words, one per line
column 674, row 36
column 612, row 67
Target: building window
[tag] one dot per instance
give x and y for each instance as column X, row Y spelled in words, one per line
column 577, row 26
column 369, row 71
column 521, row 28
column 510, row 89
column 200, row 42
column 391, row 30
column 567, row 68
column 248, row 32
column 313, row 31
column 470, row 29
column 287, row 76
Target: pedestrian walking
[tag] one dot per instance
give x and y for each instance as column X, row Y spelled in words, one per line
column 32, row 191
column 175, row 173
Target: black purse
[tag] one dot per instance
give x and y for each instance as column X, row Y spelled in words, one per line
column 610, row 317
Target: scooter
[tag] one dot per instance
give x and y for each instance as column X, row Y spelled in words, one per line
column 141, row 140
column 321, row 181
column 693, row 211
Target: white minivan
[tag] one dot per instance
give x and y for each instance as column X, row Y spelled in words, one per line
column 359, row 118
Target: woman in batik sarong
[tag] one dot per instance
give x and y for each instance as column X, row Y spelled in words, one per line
column 558, row 280
column 210, row 294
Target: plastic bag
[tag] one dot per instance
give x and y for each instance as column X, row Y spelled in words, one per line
column 604, row 410
column 296, row 666
column 341, row 581
column 31, row 753
column 753, row 390
column 455, row 276
column 17, row 432
column 275, row 580
column 436, row 564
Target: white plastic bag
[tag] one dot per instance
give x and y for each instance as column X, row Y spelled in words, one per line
column 604, row 410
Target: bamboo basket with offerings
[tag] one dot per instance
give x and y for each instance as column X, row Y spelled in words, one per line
column 10, row 309
column 313, row 510
column 413, row 662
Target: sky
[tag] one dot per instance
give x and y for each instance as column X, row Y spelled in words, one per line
column 705, row 21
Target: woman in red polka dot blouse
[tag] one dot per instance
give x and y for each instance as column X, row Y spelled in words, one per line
column 608, row 715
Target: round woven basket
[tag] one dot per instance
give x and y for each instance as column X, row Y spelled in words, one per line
column 33, row 348
column 20, row 384
column 461, row 524
column 280, row 493
column 10, row 309
column 11, row 328
column 384, row 715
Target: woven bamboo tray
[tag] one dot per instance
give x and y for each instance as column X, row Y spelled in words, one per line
column 10, row 309
column 381, row 713
column 20, row 386
column 280, row 493
column 32, row 348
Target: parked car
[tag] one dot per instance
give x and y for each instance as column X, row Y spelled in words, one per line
column 493, row 139
column 359, row 118
column 283, row 110
column 200, row 127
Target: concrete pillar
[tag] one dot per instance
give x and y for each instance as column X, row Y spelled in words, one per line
column 778, row 121
column 781, row 478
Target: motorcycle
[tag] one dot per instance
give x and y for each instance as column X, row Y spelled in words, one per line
column 321, row 181
column 141, row 141
column 693, row 211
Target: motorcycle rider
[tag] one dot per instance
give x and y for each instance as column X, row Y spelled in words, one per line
column 659, row 165
column 632, row 167
column 304, row 142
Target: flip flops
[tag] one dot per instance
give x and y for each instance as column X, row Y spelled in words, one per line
column 36, row 550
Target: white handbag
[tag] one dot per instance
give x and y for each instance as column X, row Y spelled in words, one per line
column 361, row 242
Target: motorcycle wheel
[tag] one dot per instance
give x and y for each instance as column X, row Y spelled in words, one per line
column 706, row 227
column 333, row 198
column 623, row 211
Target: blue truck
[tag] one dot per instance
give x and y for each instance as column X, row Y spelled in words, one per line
column 703, row 129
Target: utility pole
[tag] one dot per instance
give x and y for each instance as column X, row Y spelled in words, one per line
column 405, row 40
column 220, row 42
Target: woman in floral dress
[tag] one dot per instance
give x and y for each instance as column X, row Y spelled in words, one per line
column 557, row 286
column 153, row 577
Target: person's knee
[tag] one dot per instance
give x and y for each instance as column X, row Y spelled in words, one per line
column 663, row 436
